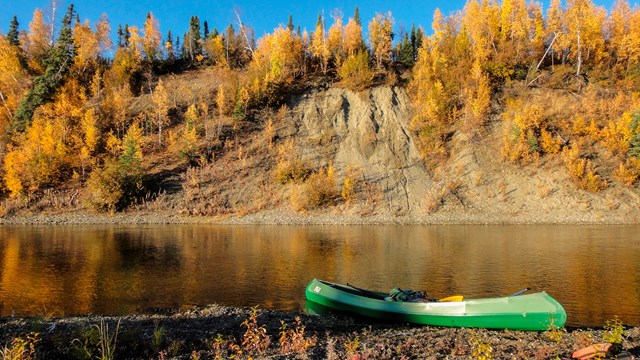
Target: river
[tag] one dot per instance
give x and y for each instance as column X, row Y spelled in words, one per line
column 593, row 270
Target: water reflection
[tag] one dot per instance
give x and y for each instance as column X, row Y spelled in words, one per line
column 592, row 270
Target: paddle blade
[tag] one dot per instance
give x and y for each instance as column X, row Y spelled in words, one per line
column 590, row 352
column 453, row 298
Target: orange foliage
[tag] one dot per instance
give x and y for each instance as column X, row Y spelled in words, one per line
column 380, row 31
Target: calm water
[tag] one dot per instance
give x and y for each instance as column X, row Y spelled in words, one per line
column 594, row 271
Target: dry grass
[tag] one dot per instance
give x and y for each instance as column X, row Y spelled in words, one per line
column 318, row 190
column 544, row 190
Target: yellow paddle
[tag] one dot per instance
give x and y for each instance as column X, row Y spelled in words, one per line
column 452, row 298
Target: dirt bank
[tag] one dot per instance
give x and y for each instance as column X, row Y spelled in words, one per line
column 222, row 332
column 368, row 141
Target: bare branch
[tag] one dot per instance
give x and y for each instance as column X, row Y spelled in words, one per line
column 244, row 33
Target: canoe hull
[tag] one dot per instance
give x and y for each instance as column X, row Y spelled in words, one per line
column 537, row 311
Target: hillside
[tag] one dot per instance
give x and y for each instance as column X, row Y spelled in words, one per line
column 505, row 112
column 367, row 140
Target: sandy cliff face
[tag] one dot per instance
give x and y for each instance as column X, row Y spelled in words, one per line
column 369, row 134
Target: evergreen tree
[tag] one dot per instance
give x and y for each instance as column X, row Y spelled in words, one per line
column 419, row 41
column 171, row 56
column 183, row 49
column 12, row 35
column 127, row 36
column 356, row 16
column 193, row 39
column 214, row 33
column 179, row 49
column 404, row 51
column 414, row 40
column 57, row 63
column 205, row 33
column 290, row 23
column 120, row 36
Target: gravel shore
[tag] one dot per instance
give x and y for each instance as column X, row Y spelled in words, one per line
column 223, row 332
column 285, row 217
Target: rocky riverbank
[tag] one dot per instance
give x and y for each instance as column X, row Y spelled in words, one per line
column 286, row 217
column 217, row 332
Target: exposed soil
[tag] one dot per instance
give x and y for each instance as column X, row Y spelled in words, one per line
column 217, row 331
column 367, row 138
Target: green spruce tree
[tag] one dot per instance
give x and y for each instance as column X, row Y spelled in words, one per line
column 404, row 51
column 356, row 16
column 12, row 34
column 290, row 23
column 120, row 37
column 194, row 45
column 171, row 56
column 58, row 62
column 126, row 36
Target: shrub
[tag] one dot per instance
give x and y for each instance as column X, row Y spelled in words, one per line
column 112, row 187
column 355, row 72
column 318, row 190
column 613, row 331
column 549, row 143
column 119, row 181
column 581, row 170
column 634, row 144
column 289, row 166
column 21, row 348
column 255, row 339
column 628, row 173
column 293, row 339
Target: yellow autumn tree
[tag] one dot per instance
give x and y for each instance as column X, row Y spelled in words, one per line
column 214, row 47
column 222, row 101
column 89, row 141
column 433, row 98
column 478, row 97
column 38, row 159
column 14, row 82
column 516, row 29
column 481, row 23
column 160, row 101
column 335, row 39
column 353, row 40
column 584, row 23
column 188, row 144
column 319, row 46
column 103, row 33
column 624, row 37
column 279, row 56
column 117, row 103
column 126, row 61
column 38, row 41
column 381, row 38
column 151, row 39
column 87, row 46
column 554, row 30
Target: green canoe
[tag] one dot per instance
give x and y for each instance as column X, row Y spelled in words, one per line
column 535, row 311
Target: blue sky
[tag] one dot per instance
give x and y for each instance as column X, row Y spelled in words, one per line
column 263, row 16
